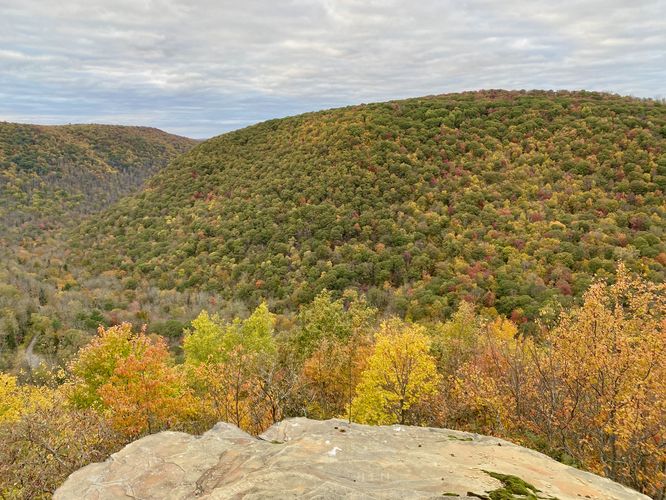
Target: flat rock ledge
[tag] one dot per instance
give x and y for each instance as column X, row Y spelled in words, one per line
column 302, row 458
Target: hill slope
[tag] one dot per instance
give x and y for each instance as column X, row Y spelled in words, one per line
column 513, row 200
column 49, row 171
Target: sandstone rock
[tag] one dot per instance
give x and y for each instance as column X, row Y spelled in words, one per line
column 301, row 458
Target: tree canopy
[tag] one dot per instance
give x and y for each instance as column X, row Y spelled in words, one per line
column 513, row 201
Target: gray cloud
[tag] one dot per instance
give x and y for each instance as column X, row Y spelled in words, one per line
column 202, row 67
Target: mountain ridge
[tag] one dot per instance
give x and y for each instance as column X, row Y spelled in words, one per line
column 50, row 171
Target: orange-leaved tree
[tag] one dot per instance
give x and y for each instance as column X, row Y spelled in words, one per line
column 603, row 375
column 132, row 378
column 146, row 392
column 592, row 391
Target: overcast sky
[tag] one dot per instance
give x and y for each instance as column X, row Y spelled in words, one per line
column 203, row 67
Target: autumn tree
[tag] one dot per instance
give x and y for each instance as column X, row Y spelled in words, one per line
column 17, row 399
column 603, row 376
column 323, row 318
column 225, row 363
column 590, row 392
column 331, row 373
column 400, row 378
column 455, row 341
column 146, row 392
column 488, row 393
column 336, row 334
column 211, row 339
column 95, row 364
column 204, row 342
column 131, row 377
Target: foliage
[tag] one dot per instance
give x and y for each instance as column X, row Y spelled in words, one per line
column 17, row 400
column 591, row 392
column 226, row 362
column 512, row 201
column 49, row 442
column 400, row 377
column 456, row 339
column 205, row 342
column 96, row 363
column 327, row 319
column 491, row 222
column 586, row 389
column 330, row 375
column 48, row 172
column 211, row 340
column 146, row 393
column 50, row 178
column 232, row 391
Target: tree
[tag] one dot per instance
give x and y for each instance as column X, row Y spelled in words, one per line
column 95, row 364
column 590, row 393
column 456, row 340
column 49, row 442
column 224, row 363
column 17, row 400
column 605, row 373
column 331, row 373
column 232, row 391
column 204, row 343
column 339, row 352
column 211, row 339
column 146, row 393
column 400, row 378
column 130, row 376
column 255, row 334
column 322, row 318
column 488, row 393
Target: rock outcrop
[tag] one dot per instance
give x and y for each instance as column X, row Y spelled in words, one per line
column 301, row 458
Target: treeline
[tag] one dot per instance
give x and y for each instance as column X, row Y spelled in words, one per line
column 513, row 201
column 587, row 388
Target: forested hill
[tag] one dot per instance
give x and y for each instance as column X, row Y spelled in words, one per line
column 511, row 200
column 47, row 172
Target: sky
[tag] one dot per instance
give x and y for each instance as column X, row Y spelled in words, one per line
column 203, row 67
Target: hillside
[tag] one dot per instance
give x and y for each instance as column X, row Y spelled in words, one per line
column 512, row 200
column 51, row 177
column 332, row 459
column 47, row 172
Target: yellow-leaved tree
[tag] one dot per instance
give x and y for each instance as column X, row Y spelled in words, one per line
column 592, row 392
column 401, row 378
column 17, row 400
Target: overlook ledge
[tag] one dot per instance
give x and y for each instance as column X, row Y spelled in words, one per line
column 302, row 458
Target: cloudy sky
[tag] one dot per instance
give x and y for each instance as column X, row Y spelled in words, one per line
column 203, row 67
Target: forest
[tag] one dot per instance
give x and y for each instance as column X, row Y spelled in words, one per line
column 488, row 261
column 512, row 201
column 49, row 173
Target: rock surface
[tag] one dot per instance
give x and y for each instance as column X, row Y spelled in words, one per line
column 301, row 458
